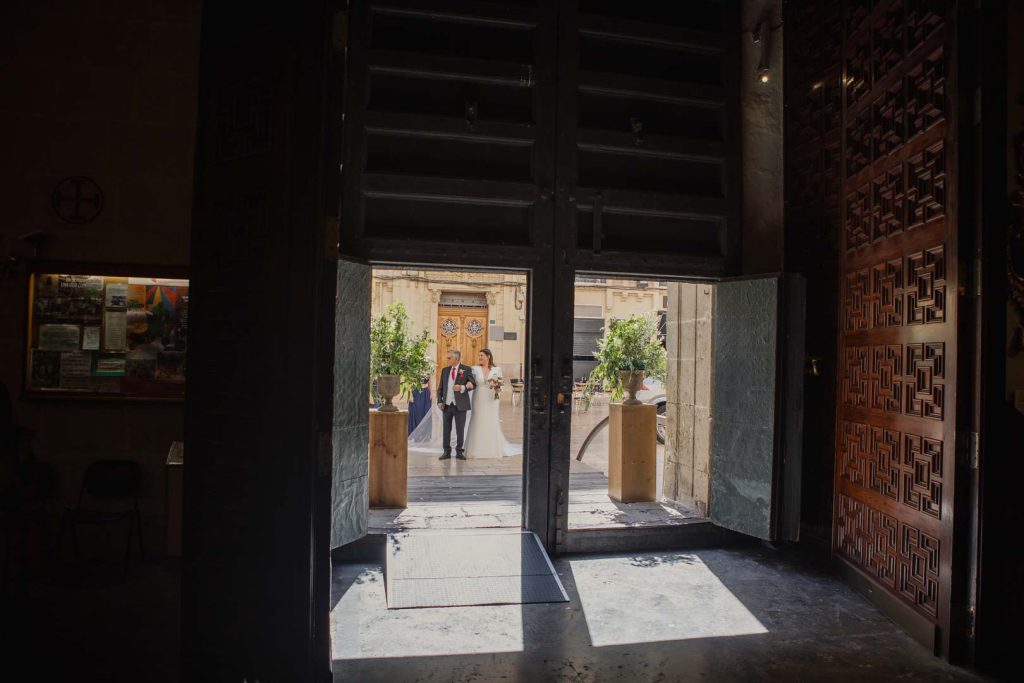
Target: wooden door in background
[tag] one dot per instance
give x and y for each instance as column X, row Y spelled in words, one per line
column 464, row 329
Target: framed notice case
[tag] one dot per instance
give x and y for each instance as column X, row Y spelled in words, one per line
column 108, row 336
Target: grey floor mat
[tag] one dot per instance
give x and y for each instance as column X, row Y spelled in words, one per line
column 460, row 568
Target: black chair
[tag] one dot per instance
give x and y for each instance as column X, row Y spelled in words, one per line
column 109, row 481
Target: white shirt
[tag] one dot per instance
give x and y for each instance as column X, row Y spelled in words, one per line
column 449, row 396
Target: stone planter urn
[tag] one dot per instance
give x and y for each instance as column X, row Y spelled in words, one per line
column 388, row 386
column 632, row 382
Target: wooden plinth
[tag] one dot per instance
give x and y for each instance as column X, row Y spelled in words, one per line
column 389, row 459
column 632, row 453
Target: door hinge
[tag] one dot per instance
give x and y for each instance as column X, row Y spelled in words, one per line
column 967, row 448
column 976, row 276
column 972, row 618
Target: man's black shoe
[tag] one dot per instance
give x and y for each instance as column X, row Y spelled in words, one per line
column 446, row 456
column 460, row 456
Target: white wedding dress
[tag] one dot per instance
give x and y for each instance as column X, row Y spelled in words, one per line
column 484, row 438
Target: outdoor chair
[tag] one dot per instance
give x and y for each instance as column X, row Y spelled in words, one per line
column 107, row 482
column 579, row 397
column 517, row 392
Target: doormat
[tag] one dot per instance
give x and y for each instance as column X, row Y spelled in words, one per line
column 457, row 569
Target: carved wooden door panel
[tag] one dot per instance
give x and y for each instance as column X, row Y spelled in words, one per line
column 896, row 412
column 464, row 329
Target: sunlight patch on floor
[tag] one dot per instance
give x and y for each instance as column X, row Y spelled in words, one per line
column 363, row 627
column 657, row 597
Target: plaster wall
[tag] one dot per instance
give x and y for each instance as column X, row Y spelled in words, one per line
column 106, row 90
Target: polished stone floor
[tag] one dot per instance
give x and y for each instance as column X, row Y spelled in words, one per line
column 750, row 614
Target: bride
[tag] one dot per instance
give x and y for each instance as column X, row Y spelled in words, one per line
column 485, row 438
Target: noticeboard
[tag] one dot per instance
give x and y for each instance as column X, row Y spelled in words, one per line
column 107, row 336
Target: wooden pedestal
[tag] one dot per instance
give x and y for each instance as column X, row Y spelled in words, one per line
column 632, row 453
column 389, row 459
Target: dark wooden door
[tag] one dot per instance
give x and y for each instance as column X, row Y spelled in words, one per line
column 551, row 137
column 896, row 415
column 257, row 519
column 646, row 162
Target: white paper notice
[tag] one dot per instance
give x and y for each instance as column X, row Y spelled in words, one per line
column 58, row 337
column 117, row 295
column 75, row 370
column 115, row 330
column 91, row 338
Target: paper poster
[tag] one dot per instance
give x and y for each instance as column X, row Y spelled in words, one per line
column 68, row 298
column 138, row 318
column 108, row 365
column 115, row 330
column 45, row 369
column 58, row 337
column 117, row 295
column 91, row 338
column 79, row 285
column 75, row 370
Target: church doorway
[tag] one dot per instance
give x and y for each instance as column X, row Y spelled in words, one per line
column 461, row 324
column 480, row 316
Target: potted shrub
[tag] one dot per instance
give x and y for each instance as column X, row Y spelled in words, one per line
column 630, row 350
column 399, row 360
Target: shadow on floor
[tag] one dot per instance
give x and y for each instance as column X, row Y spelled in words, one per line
column 747, row 614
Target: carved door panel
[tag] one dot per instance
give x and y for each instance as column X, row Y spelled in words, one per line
column 464, row 329
column 896, row 408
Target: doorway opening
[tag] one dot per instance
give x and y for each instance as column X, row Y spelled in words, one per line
column 650, row 466
column 482, row 317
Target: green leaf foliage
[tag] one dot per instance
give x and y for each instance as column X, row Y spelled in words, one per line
column 394, row 350
column 632, row 344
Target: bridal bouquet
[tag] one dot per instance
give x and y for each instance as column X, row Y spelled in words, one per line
column 496, row 384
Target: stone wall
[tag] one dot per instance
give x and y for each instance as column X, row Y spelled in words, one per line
column 761, row 112
column 106, row 90
column 421, row 291
column 688, row 439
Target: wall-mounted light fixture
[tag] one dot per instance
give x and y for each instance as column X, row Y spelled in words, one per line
column 760, row 39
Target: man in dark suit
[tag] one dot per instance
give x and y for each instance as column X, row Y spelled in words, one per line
column 453, row 400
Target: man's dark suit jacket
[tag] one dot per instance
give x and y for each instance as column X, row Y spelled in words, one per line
column 463, row 375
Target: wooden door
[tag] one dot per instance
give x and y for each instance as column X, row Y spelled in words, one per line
column 758, row 341
column 256, row 572
column 896, row 408
column 464, row 329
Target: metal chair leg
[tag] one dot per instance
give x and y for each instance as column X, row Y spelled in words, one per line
column 138, row 528
column 128, row 544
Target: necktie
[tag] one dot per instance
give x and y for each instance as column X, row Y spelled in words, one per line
column 453, row 374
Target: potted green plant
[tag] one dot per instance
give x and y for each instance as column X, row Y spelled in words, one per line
column 630, row 350
column 399, row 360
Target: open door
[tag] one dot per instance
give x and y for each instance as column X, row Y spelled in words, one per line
column 757, row 397
column 350, row 426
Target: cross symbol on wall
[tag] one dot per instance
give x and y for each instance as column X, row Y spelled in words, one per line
column 77, row 199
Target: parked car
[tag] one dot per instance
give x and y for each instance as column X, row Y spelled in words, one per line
column 653, row 393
